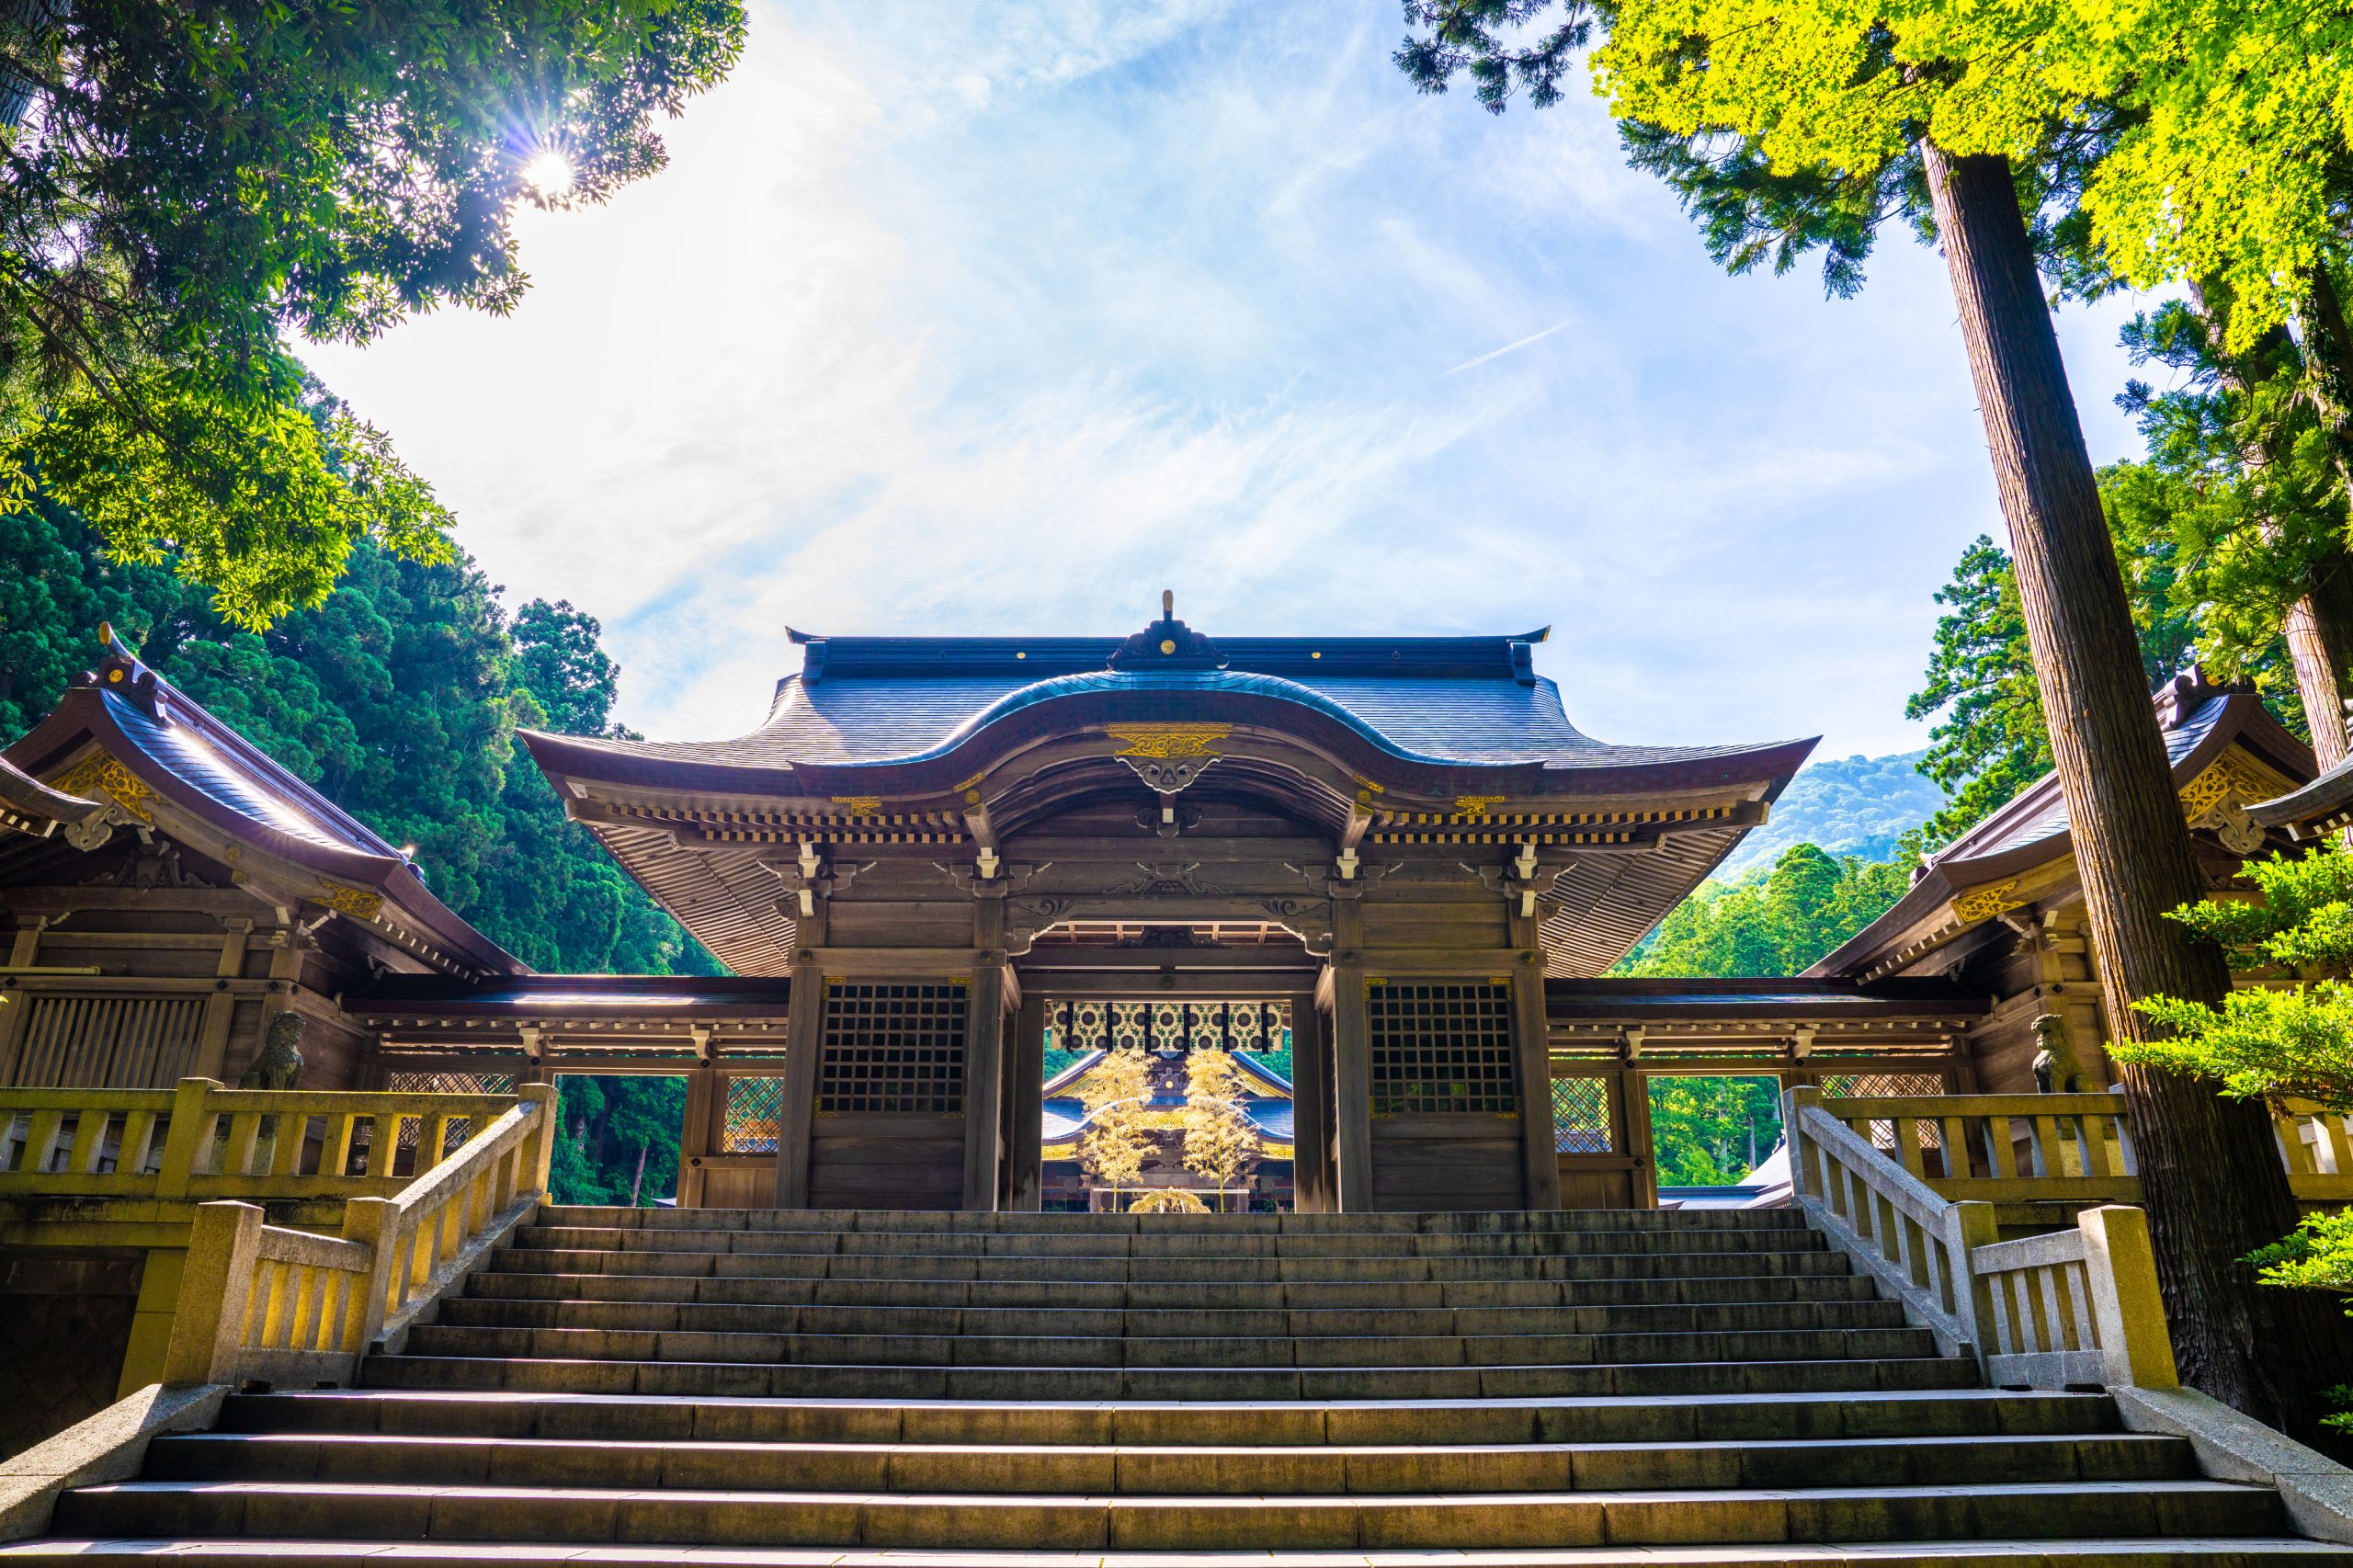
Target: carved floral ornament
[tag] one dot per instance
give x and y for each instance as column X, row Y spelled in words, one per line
column 1167, row 758
column 360, row 904
column 2216, row 800
column 1984, row 903
column 101, row 773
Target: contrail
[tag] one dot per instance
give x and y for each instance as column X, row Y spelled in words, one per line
column 1510, row 348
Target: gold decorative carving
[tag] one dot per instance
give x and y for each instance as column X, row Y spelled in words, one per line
column 1476, row 805
column 2217, row 800
column 859, row 805
column 345, row 899
column 1168, row 740
column 101, row 773
column 1985, row 903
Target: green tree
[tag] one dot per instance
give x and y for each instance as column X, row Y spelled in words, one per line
column 397, row 697
column 1823, row 89
column 1703, row 1129
column 185, row 184
column 1775, row 922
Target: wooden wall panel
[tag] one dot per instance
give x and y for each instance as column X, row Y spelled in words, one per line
column 1430, row 923
column 916, row 1163
column 1440, row 1164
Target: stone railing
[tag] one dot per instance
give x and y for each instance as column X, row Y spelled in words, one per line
column 2072, row 1306
column 2065, row 1148
column 261, row 1304
column 201, row 1140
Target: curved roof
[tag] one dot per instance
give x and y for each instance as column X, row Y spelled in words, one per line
column 167, row 744
column 872, row 704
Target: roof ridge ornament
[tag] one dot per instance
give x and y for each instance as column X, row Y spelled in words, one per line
column 1168, row 644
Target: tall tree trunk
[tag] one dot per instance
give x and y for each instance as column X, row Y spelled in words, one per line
column 637, row 1183
column 2319, row 629
column 2211, row 1173
column 2327, row 346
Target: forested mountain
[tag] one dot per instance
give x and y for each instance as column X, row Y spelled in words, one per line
column 1850, row 806
column 398, row 697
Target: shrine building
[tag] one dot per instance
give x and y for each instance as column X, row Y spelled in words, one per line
column 939, row 858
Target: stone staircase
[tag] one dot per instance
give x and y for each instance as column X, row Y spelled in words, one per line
column 642, row 1387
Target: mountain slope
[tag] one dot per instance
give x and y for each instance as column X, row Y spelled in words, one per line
column 1851, row 806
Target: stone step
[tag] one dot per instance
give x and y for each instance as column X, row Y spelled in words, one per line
column 724, row 1379
column 1077, row 1323
column 1173, row 1270
column 1047, row 1350
column 839, row 1221
column 499, row 1285
column 2135, row 1552
column 1688, row 1418
column 1153, row 1469
column 1171, row 1244
column 555, row 1515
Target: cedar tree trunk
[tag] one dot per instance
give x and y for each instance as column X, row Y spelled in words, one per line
column 2211, row 1173
column 637, row 1183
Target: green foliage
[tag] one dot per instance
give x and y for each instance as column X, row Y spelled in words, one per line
column 1777, row 923
column 2263, row 1042
column 397, row 697
column 619, row 1141
column 1701, row 1127
column 183, row 186
column 2271, row 1042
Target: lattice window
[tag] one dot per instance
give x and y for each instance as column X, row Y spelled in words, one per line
column 108, row 1042
column 748, row 1125
column 455, row 1137
column 1581, row 1117
column 1874, row 1085
column 892, row 1048
column 1441, row 1046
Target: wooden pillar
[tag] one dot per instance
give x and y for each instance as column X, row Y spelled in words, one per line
column 804, row 1033
column 985, row 1053
column 1025, row 1085
column 1351, row 1061
column 706, row 1091
column 1533, row 1051
column 1310, row 1097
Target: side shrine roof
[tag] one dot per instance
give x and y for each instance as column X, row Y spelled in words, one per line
column 2225, row 750
column 128, row 739
column 868, row 704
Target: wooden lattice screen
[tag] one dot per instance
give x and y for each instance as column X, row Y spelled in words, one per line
column 108, row 1042
column 1581, row 1122
column 1441, row 1046
column 892, row 1048
column 748, row 1125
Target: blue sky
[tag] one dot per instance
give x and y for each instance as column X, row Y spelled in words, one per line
column 950, row 318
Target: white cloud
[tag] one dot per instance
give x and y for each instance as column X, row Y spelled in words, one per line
column 962, row 319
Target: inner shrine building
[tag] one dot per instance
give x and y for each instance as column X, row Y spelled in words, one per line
column 937, row 858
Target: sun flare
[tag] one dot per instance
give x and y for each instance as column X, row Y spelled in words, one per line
column 549, row 173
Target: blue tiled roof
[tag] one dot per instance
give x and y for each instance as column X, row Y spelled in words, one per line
column 865, row 709
column 2041, row 811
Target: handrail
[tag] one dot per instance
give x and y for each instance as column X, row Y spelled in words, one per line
column 2003, row 1148
column 2045, row 1311
column 260, row 1302
column 203, row 1140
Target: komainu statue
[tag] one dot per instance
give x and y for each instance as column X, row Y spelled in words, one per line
column 2056, row 1071
column 279, row 1062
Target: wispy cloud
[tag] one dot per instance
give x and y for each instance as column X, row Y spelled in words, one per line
column 962, row 318
column 1493, row 354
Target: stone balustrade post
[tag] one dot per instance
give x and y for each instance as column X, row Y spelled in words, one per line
column 216, row 1286
column 542, row 1141
column 2121, row 1269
